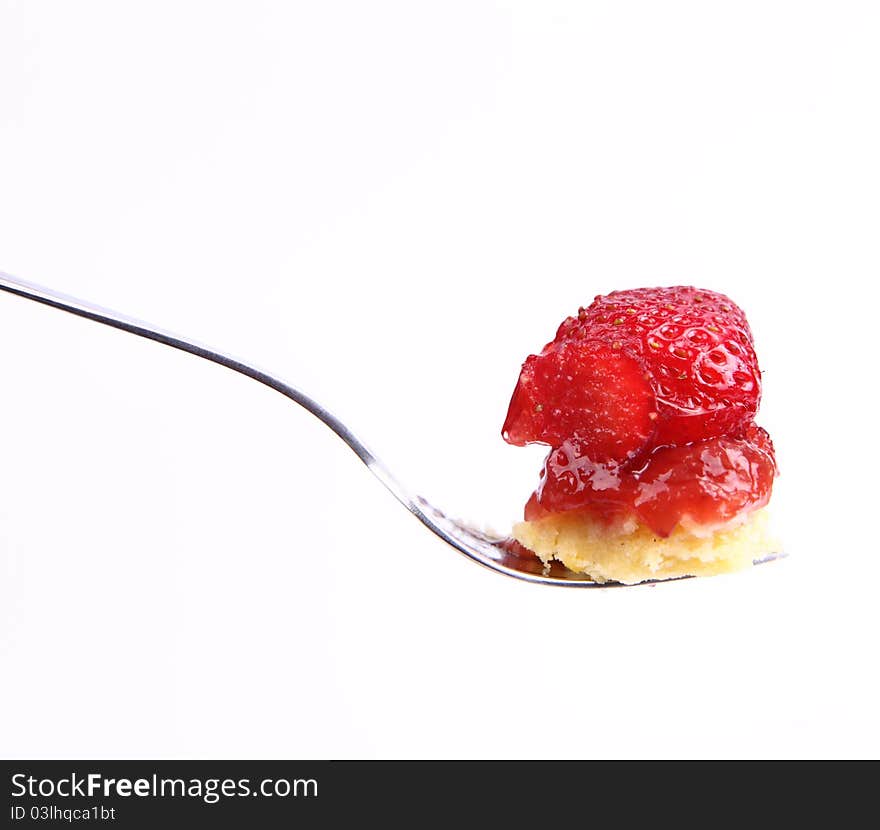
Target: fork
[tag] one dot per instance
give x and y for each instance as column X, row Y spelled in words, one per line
column 480, row 547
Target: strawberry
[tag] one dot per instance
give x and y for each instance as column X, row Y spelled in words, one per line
column 708, row 481
column 564, row 393
column 636, row 370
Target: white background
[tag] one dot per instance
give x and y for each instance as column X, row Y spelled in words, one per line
column 391, row 205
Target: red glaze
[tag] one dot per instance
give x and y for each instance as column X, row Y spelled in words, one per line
column 708, row 481
column 647, row 398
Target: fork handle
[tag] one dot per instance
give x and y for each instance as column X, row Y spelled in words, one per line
column 82, row 308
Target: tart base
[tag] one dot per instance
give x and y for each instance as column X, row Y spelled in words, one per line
column 629, row 552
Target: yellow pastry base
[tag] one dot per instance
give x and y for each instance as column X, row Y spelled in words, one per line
column 629, row 552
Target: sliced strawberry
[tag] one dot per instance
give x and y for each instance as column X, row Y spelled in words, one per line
column 681, row 355
column 590, row 392
column 709, row 482
column 572, row 480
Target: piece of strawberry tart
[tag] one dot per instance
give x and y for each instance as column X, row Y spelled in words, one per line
column 647, row 399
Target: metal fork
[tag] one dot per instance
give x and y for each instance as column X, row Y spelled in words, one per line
column 474, row 544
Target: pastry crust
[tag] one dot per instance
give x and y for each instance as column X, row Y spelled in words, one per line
column 629, row 552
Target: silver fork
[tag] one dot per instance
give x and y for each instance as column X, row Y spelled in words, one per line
column 480, row 547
